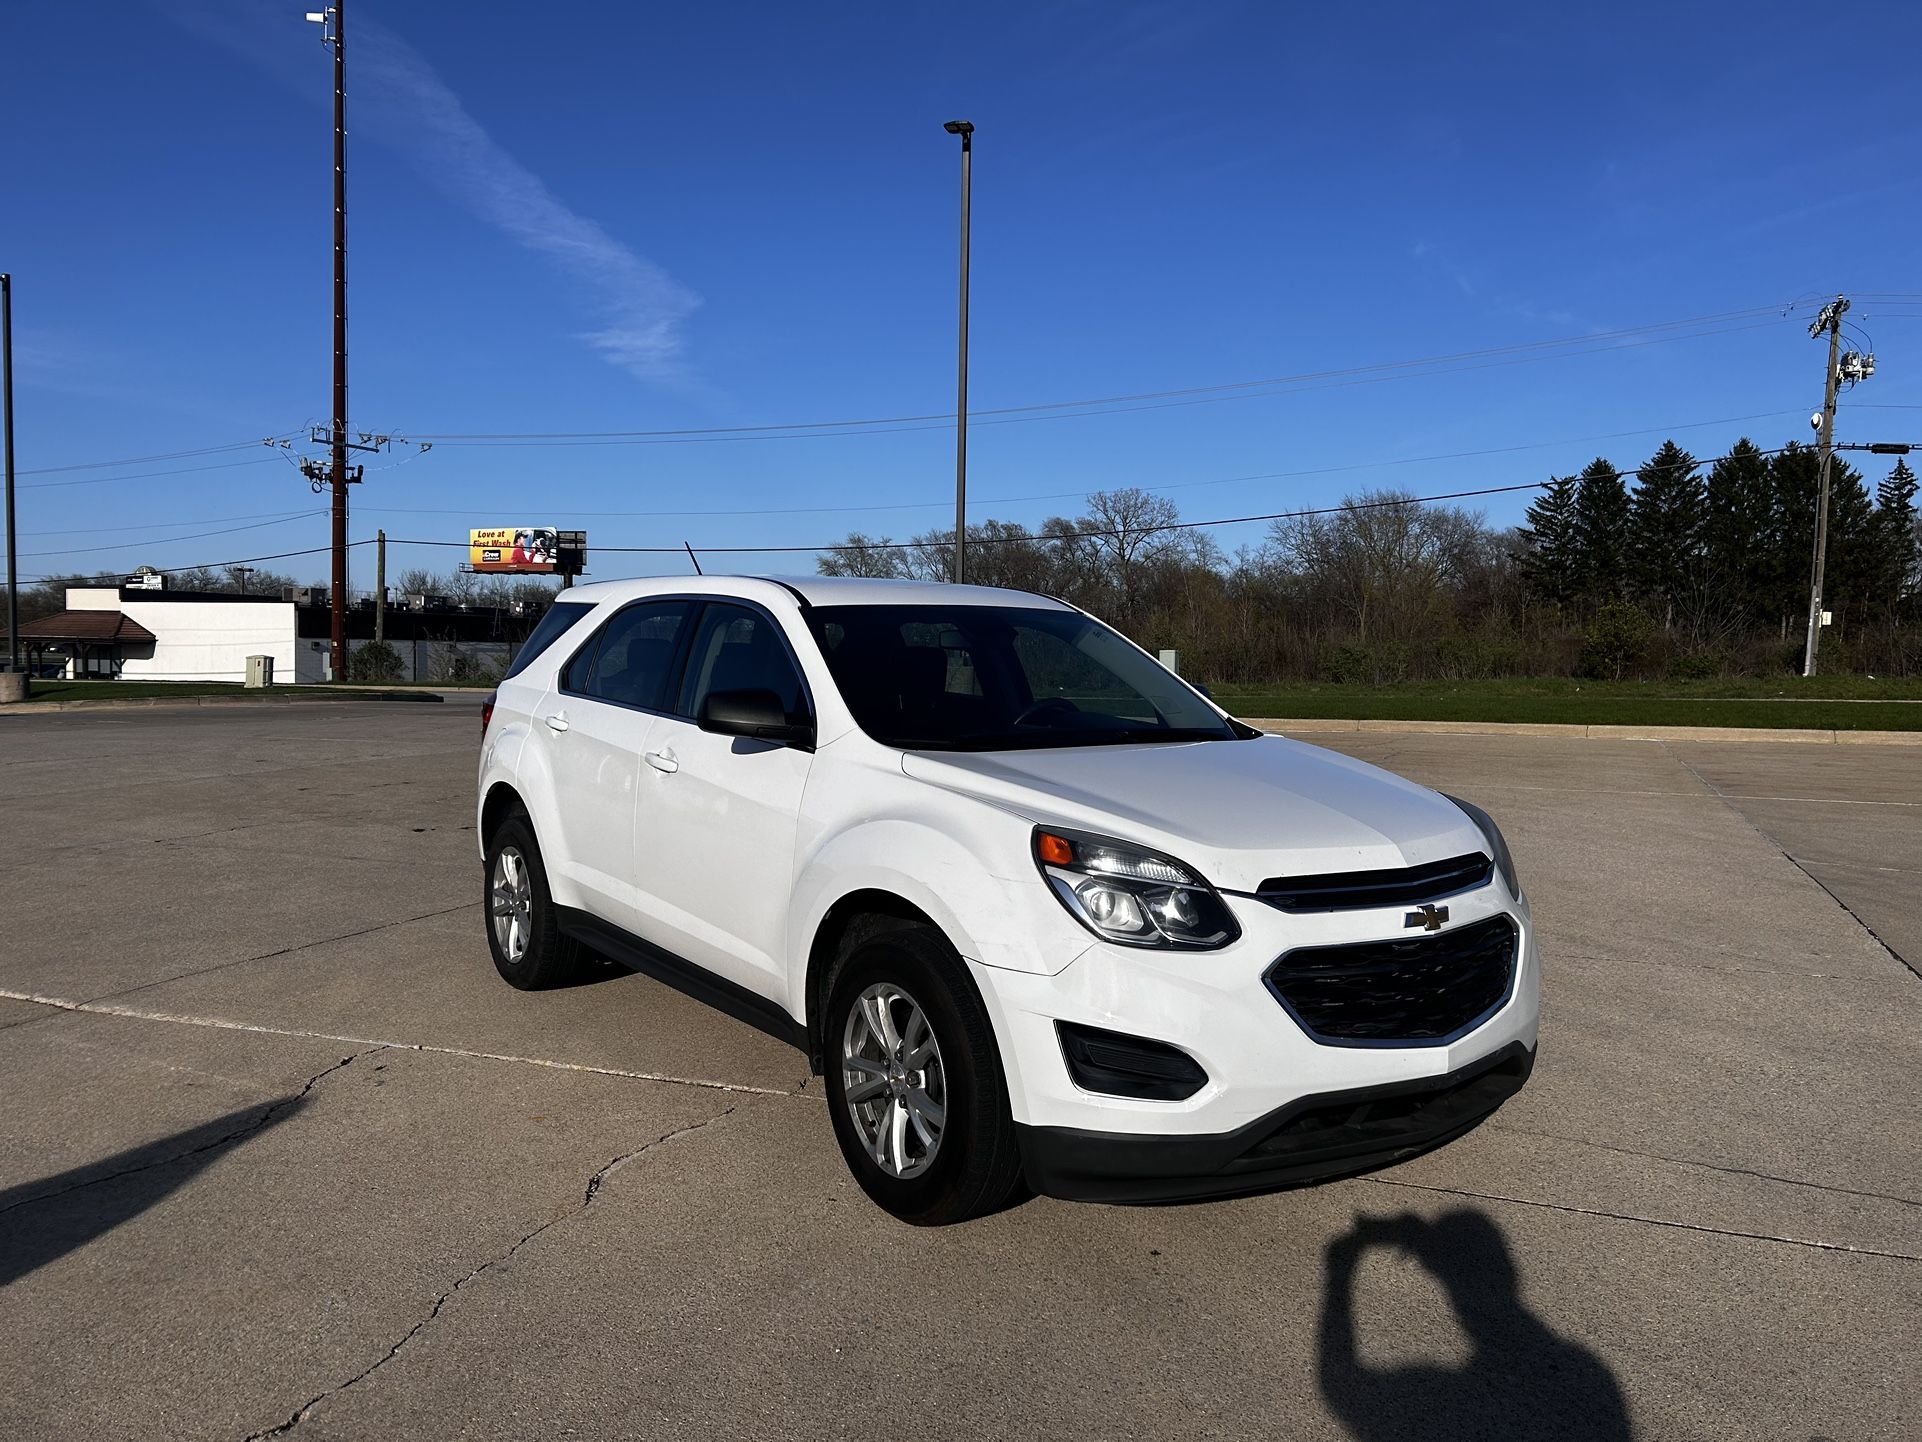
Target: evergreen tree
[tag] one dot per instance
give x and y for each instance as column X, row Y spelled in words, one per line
column 1547, row 557
column 1601, row 532
column 1665, row 529
column 1794, row 482
column 1736, row 527
column 1848, row 582
column 1897, row 561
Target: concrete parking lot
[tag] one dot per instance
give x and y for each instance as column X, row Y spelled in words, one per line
column 283, row 1157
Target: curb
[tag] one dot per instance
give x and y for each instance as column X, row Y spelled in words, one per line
column 132, row 703
column 1787, row 735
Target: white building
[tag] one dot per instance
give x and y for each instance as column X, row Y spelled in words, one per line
column 151, row 635
column 144, row 633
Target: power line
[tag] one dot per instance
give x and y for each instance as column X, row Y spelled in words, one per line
column 148, row 475
column 162, row 456
column 976, row 540
column 149, row 526
column 1723, row 322
column 1772, row 314
column 1171, row 486
column 216, row 565
column 171, row 540
column 1025, row 536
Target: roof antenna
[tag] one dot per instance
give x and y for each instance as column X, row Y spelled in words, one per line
column 694, row 558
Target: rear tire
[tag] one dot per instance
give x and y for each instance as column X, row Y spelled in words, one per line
column 523, row 929
column 914, row 1081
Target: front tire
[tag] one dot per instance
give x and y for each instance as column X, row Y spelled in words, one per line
column 914, row 1081
column 523, row 930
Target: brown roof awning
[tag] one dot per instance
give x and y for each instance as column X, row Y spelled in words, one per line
column 93, row 626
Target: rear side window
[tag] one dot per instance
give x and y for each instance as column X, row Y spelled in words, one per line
column 630, row 663
column 549, row 629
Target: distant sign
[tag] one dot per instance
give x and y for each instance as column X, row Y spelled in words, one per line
column 524, row 548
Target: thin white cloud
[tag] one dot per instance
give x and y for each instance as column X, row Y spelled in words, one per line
column 642, row 307
column 399, row 100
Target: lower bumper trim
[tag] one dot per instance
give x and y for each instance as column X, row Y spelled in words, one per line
column 1312, row 1139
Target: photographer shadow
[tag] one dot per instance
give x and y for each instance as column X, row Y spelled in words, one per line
column 1521, row 1381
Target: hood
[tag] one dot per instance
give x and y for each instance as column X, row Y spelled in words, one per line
column 1241, row 811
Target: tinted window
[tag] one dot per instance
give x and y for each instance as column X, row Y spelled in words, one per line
column 993, row 678
column 630, row 665
column 737, row 649
column 549, row 629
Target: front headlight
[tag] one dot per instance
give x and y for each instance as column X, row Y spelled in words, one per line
column 1131, row 895
column 1497, row 847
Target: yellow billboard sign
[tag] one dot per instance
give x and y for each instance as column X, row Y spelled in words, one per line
column 513, row 548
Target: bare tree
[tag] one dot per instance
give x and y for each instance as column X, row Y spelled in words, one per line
column 863, row 555
column 1383, row 559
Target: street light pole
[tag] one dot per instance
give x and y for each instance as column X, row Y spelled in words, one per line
column 13, row 564
column 964, row 129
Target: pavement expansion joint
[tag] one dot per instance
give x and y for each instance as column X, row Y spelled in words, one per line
column 1707, row 1166
column 269, row 1114
column 102, row 1008
column 589, row 1193
column 1646, row 1221
column 1727, row 800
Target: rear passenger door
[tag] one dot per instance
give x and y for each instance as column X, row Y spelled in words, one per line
column 715, row 841
column 596, row 725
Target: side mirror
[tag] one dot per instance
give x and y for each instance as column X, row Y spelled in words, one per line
column 1204, row 691
column 757, row 715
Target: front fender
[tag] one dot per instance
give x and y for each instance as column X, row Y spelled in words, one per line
column 1007, row 922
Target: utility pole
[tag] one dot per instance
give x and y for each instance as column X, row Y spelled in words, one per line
column 13, row 564
column 332, row 33
column 964, row 129
column 1851, row 368
column 380, row 587
column 242, row 573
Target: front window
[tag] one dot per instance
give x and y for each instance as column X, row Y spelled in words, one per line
column 1002, row 678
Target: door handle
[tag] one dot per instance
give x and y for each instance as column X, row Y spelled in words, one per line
column 661, row 760
column 557, row 722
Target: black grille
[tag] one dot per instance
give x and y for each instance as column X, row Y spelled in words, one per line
column 1427, row 989
column 1398, row 886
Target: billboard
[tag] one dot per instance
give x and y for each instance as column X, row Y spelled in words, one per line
column 514, row 548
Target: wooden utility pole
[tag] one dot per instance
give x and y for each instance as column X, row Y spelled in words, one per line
column 337, row 593
column 1830, row 320
column 380, row 587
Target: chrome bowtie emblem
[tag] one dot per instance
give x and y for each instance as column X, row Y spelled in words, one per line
column 1428, row 917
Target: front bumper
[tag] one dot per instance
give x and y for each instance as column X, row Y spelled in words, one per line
column 1218, row 1008
column 1314, row 1138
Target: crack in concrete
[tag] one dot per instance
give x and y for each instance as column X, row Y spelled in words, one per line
column 589, row 1193
column 129, row 1013
column 1648, row 1221
column 280, row 951
column 1788, row 856
column 266, row 1118
column 1670, row 964
column 1707, row 1166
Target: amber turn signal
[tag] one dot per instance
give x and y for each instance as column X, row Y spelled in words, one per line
column 1055, row 850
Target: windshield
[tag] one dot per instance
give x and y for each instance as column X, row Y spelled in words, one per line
column 1000, row 678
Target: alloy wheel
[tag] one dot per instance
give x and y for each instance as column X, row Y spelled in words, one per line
column 511, row 901
column 893, row 1080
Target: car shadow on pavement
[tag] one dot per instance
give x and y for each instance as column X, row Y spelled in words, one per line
column 1520, row 1381
column 43, row 1220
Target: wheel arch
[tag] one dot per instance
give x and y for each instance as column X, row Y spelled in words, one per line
column 501, row 799
column 850, row 920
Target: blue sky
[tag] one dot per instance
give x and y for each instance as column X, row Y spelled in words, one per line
column 594, row 217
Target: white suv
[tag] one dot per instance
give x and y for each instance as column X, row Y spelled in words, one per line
column 1035, row 908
